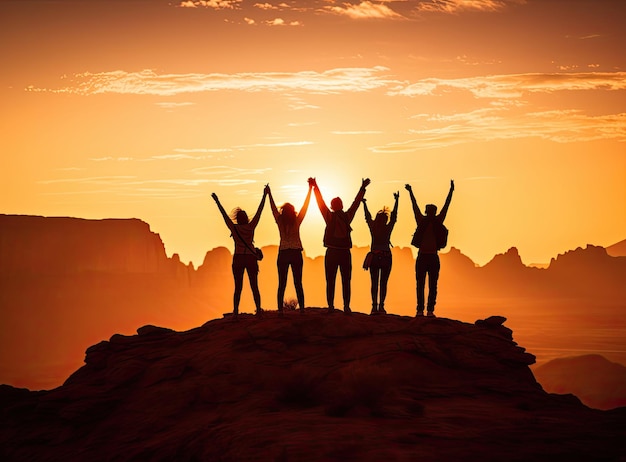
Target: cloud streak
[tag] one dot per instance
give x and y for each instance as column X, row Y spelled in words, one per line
column 461, row 6
column 563, row 126
column 336, row 81
column 517, row 85
column 365, row 10
column 148, row 82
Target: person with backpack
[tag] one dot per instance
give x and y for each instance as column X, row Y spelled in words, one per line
column 338, row 243
column 245, row 256
column 290, row 248
column 431, row 236
column 379, row 258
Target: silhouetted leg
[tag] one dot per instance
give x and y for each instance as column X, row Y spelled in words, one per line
column 345, row 268
column 283, row 268
column 385, row 271
column 238, row 270
column 253, row 275
column 420, row 276
column 433, row 277
column 296, row 268
column 330, row 266
column 374, row 275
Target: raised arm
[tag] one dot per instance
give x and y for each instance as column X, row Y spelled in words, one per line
column 416, row 210
column 320, row 200
column 444, row 210
column 275, row 211
column 357, row 200
column 305, row 206
column 394, row 212
column 227, row 219
column 257, row 215
column 368, row 215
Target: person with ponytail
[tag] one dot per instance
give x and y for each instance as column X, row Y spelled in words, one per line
column 379, row 259
column 290, row 247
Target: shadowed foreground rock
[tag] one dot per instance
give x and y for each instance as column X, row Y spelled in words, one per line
column 312, row 387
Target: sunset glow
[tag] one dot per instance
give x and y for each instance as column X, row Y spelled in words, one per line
column 144, row 108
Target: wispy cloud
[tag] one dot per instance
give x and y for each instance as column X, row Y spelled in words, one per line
column 172, row 105
column 357, row 132
column 516, row 85
column 113, row 179
column 459, row 6
column 496, row 124
column 282, row 22
column 213, row 4
column 365, row 10
column 230, row 176
column 336, row 81
column 148, row 82
column 284, row 144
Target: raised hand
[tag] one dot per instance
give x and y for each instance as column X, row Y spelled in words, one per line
column 408, row 187
column 451, row 185
column 312, row 182
column 214, row 196
column 396, row 195
column 365, row 182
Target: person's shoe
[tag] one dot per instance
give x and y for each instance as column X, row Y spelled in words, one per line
column 302, row 310
column 431, row 314
column 374, row 309
column 381, row 310
column 331, row 310
column 419, row 313
column 259, row 312
column 347, row 310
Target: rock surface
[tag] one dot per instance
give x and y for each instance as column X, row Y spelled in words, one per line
column 312, row 387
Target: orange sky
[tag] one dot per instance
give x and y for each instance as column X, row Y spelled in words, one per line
column 143, row 108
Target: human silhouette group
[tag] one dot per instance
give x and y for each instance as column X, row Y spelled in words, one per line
column 430, row 237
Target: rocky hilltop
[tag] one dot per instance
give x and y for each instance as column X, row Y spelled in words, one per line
column 311, row 387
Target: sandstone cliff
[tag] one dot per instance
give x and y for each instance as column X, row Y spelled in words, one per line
column 62, row 245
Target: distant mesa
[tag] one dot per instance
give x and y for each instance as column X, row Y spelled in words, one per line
column 618, row 249
column 598, row 382
column 312, row 387
column 62, row 245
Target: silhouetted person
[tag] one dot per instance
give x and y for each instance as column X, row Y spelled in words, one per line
column 428, row 240
column 338, row 243
column 244, row 258
column 290, row 248
column 380, row 264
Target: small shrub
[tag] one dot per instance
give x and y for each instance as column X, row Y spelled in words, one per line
column 290, row 304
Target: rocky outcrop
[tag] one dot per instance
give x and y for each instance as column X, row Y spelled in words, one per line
column 307, row 388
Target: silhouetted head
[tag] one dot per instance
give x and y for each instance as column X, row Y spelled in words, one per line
column 431, row 210
column 288, row 214
column 336, row 204
column 240, row 216
column 382, row 216
column 288, row 210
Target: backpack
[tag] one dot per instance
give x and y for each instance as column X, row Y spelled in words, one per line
column 441, row 233
column 337, row 233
